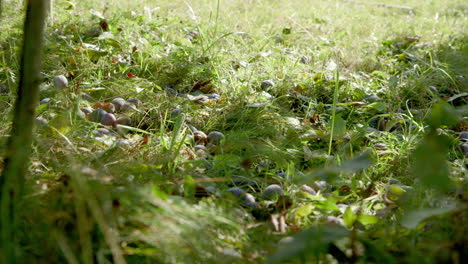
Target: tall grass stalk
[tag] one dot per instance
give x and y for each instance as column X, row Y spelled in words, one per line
column 12, row 179
column 216, row 19
column 335, row 101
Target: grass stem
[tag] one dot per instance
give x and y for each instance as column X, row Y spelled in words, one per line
column 335, row 101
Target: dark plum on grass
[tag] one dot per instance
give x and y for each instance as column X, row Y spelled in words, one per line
column 463, row 135
column 3, row 88
column 236, row 191
column 267, row 84
column 41, row 121
column 120, row 104
column 45, row 101
column 215, row 137
column 176, row 112
column 308, row 189
column 247, row 200
column 124, row 120
column 87, row 110
column 134, row 101
column 108, row 119
column 321, row 185
column 96, row 115
column 60, row 82
column 272, row 192
column 200, row 136
column 110, row 108
column 101, row 132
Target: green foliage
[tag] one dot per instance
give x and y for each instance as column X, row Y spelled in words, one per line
column 442, row 115
column 308, row 245
column 431, row 162
column 431, row 154
column 414, row 218
column 369, row 118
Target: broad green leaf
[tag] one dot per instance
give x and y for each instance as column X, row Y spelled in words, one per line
column 359, row 162
column 326, row 205
column 367, row 219
column 349, row 217
column 339, row 128
column 109, row 38
column 309, row 243
column 378, row 106
column 94, row 52
column 414, row 218
column 157, row 87
column 314, row 197
column 329, row 174
column 443, row 114
column 41, row 109
column 304, row 210
column 94, row 55
column 394, row 192
column 114, row 43
column 431, row 162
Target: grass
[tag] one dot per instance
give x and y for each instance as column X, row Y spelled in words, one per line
column 348, row 78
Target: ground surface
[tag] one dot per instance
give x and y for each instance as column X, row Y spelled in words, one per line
column 325, row 148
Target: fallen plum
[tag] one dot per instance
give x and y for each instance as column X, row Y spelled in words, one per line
column 108, row 119
column 215, row 137
column 272, row 192
column 60, row 82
